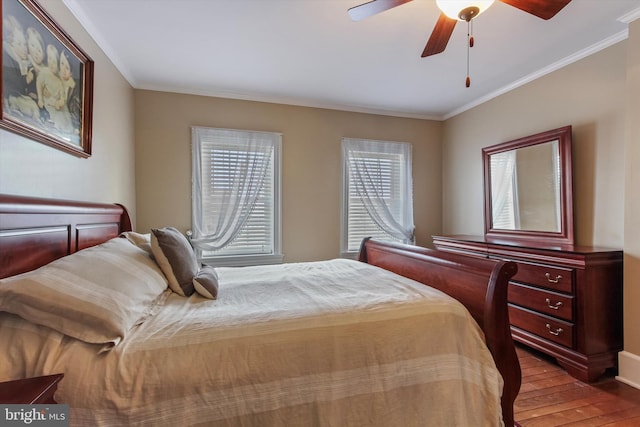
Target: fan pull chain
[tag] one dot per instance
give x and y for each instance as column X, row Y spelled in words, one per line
column 469, row 46
column 471, row 40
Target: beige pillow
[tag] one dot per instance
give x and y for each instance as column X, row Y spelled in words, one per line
column 143, row 241
column 95, row 295
column 206, row 282
column 176, row 259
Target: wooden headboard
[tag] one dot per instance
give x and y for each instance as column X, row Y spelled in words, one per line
column 36, row 231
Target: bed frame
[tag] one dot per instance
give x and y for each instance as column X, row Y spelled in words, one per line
column 479, row 284
column 36, row 231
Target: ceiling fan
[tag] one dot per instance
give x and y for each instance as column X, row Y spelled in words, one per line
column 457, row 10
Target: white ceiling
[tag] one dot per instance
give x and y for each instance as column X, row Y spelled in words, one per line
column 308, row 52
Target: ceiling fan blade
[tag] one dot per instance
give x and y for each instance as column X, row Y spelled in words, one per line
column 358, row 13
column 439, row 36
column 545, row 9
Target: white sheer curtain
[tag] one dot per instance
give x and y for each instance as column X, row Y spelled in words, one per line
column 229, row 169
column 388, row 199
column 503, row 191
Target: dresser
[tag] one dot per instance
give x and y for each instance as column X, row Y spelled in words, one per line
column 565, row 300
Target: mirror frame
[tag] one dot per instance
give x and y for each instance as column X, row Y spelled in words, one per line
column 565, row 235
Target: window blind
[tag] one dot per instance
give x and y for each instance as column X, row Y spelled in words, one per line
column 256, row 234
column 238, row 192
column 387, row 185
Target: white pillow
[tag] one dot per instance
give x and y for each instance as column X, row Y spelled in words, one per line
column 95, row 295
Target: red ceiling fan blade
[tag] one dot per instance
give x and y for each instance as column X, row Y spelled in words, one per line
column 358, row 13
column 545, row 9
column 439, row 36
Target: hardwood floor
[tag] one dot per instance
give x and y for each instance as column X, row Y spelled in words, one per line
column 551, row 397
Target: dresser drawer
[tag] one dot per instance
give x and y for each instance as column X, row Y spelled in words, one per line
column 555, row 278
column 547, row 327
column 551, row 303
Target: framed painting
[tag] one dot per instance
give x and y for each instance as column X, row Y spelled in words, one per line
column 47, row 80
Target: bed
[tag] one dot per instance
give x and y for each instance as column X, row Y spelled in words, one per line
column 334, row 342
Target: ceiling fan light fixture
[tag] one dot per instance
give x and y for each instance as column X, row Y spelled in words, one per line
column 463, row 10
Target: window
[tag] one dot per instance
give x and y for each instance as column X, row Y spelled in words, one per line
column 236, row 196
column 377, row 193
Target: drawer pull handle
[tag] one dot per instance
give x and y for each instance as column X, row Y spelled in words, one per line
column 556, row 332
column 555, row 306
column 556, row 280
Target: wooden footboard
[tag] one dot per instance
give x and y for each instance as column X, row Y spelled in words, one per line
column 479, row 284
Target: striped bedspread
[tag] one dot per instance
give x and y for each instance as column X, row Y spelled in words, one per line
column 331, row 343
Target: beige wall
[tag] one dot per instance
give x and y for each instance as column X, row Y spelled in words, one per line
column 630, row 359
column 598, row 96
column 311, row 163
column 34, row 169
column 589, row 95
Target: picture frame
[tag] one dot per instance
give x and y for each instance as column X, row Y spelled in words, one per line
column 46, row 90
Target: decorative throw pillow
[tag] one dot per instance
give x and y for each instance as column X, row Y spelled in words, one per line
column 95, row 295
column 176, row 259
column 206, row 282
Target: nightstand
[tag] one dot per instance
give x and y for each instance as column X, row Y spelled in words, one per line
column 37, row 390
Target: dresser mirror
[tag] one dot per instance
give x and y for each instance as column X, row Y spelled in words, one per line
column 528, row 189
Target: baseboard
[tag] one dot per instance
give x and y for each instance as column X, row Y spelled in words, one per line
column 629, row 369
